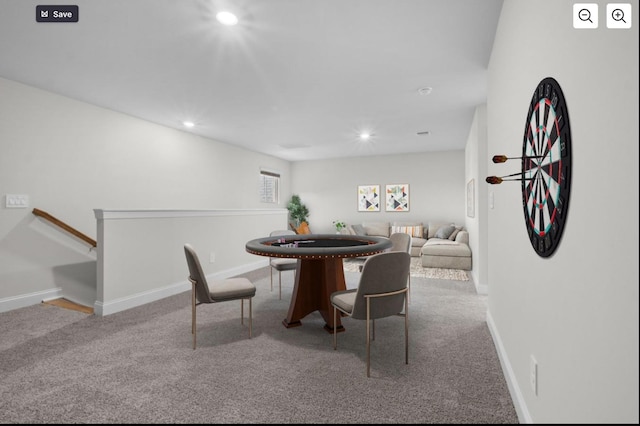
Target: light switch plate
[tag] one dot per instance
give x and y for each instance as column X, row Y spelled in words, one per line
column 16, row 201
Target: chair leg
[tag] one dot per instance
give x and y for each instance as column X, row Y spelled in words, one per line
column 373, row 329
column 271, row 276
column 250, row 316
column 335, row 332
column 368, row 341
column 193, row 313
column 280, row 284
column 406, row 330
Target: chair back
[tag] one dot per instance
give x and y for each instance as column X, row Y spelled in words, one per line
column 195, row 273
column 282, row 232
column 401, row 242
column 382, row 273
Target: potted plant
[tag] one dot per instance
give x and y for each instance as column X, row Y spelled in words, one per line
column 339, row 226
column 297, row 210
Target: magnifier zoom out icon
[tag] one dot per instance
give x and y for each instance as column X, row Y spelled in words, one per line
column 618, row 15
column 585, row 15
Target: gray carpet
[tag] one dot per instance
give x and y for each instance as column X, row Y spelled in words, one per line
column 417, row 270
column 137, row 366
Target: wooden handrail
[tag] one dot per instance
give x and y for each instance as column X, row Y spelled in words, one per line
column 64, row 226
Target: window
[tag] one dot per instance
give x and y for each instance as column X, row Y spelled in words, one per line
column 269, row 187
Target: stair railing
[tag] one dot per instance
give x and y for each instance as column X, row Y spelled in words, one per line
column 66, row 227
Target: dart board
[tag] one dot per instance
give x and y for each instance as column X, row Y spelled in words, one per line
column 546, row 167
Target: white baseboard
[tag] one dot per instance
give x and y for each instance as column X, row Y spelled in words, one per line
column 482, row 289
column 103, row 309
column 514, row 389
column 24, row 300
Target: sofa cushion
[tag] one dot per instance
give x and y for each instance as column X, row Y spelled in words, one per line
column 453, row 235
column 440, row 247
column 447, row 262
column 347, row 230
column 417, row 241
column 444, row 231
column 433, row 227
column 359, row 230
column 462, row 237
column 377, row 229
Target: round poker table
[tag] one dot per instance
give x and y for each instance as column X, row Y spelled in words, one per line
column 320, row 271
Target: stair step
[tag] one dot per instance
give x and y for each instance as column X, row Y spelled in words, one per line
column 67, row 304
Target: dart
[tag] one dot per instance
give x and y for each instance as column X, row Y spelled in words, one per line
column 504, row 158
column 495, row 180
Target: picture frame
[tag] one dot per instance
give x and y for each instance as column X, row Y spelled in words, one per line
column 471, row 198
column 368, row 198
column 397, row 197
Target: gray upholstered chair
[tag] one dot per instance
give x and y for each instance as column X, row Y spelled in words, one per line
column 381, row 293
column 401, row 242
column 219, row 291
column 281, row 263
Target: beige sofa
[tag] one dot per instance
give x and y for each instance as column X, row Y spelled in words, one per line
column 451, row 253
column 440, row 245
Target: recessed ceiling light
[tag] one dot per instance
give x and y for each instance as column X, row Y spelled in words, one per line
column 425, row 90
column 365, row 136
column 188, row 124
column 227, row 18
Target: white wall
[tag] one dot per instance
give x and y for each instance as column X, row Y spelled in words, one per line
column 141, row 252
column 329, row 187
column 70, row 158
column 476, row 168
column 577, row 311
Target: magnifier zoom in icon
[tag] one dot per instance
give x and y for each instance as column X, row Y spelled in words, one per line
column 618, row 15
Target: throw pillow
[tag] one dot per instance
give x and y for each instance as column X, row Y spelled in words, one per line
column 359, row 230
column 444, row 231
column 379, row 229
column 414, row 231
column 453, row 235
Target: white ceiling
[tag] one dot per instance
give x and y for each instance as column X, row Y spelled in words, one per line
column 296, row 79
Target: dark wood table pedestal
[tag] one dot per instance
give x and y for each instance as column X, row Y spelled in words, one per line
column 315, row 281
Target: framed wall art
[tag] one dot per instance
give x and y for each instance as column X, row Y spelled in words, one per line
column 397, row 196
column 471, row 199
column 369, row 198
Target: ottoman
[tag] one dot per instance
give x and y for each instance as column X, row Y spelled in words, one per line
column 439, row 253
